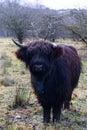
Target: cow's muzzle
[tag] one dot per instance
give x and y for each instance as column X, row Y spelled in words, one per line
column 38, row 68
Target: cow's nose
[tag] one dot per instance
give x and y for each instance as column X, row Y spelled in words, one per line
column 38, row 67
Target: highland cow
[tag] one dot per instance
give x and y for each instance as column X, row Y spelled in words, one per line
column 55, row 71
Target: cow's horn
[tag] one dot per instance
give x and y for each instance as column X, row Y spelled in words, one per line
column 54, row 46
column 19, row 44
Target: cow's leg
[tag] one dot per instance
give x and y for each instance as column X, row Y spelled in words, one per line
column 56, row 112
column 68, row 97
column 46, row 114
column 66, row 104
column 67, row 101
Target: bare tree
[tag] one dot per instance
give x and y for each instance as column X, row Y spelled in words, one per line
column 50, row 26
column 79, row 27
column 37, row 22
column 16, row 18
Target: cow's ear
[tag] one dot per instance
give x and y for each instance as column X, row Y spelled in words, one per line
column 22, row 54
column 57, row 52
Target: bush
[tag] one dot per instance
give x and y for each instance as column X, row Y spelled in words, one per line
column 22, row 97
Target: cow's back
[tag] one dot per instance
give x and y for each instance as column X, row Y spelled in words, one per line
column 73, row 64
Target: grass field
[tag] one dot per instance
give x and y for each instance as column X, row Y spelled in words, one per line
column 19, row 108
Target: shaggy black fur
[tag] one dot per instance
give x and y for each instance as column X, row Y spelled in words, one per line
column 55, row 73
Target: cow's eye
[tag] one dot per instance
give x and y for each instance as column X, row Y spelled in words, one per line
column 29, row 54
